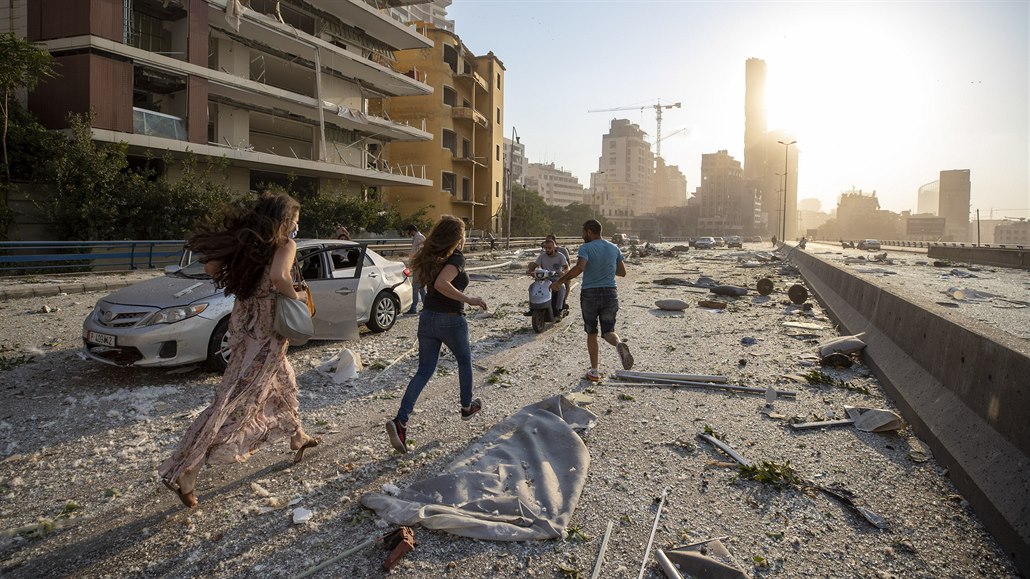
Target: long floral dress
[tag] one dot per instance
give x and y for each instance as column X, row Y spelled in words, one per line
column 257, row 399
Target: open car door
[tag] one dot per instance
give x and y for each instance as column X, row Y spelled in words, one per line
column 335, row 295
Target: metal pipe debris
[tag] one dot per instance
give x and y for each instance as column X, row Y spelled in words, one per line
column 600, row 554
column 650, row 540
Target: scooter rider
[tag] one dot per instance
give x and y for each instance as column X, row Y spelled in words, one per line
column 550, row 259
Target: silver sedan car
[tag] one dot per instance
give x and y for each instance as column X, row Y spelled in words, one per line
column 181, row 318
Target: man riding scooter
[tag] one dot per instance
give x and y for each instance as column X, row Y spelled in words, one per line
column 552, row 260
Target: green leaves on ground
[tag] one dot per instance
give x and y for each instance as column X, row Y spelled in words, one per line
column 778, row 475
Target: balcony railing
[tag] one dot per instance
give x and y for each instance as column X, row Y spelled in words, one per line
column 154, row 124
column 469, row 114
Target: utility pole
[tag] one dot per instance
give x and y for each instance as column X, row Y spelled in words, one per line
column 786, row 150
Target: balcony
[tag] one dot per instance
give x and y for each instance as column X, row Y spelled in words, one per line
column 474, row 77
column 154, row 124
column 469, row 114
column 464, row 200
column 466, row 159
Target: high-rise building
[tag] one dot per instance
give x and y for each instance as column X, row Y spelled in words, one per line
column 278, row 90
column 927, row 199
column 465, row 116
column 411, row 11
column 622, row 185
column 953, row 203
column 768, row 163
column 755, row 125
column 557, row 186
column 670, row 186
column 514, row 157
column 730, row 204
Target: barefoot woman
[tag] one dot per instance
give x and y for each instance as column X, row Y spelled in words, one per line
column 251, row 255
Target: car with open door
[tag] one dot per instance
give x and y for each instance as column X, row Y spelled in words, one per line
column 181, row 318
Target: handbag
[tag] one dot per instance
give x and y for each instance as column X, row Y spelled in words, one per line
column 293, row 316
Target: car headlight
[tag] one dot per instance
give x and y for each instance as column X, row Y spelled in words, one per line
column 172, row 315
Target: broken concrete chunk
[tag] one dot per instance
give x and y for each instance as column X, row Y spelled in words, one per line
column 729, row 290
column 712, row 304
column 874, row 419
column 672, row 305
column 843, row 344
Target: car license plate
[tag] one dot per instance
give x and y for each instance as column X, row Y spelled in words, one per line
column 102, row 339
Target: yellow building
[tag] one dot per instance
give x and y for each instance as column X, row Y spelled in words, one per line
column 465, row 115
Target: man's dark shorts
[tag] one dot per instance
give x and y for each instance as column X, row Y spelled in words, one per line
column 599, row 303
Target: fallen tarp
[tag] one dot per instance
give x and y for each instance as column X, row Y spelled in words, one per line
column 521, row 481
column 842, row 344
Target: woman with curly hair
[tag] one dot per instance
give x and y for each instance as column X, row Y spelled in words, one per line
column 251, row 255
column 442, row 321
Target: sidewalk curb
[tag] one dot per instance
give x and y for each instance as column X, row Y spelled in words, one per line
column 49, row 290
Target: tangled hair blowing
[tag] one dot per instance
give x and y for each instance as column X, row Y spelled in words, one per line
column 245, row 241
column 441, row 242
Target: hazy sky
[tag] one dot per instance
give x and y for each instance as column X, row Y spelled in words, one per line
column 880, row 95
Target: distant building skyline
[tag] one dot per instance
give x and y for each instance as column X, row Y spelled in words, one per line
column 557, row 186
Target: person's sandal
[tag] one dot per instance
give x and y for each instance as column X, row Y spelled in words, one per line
column 189, row 499
column 310, row 443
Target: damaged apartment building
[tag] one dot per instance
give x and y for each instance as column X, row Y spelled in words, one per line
column 280, row 89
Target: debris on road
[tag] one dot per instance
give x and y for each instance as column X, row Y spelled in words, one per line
column 843, row 345
column 672, row 305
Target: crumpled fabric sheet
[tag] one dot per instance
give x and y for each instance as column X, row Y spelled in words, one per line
column 710, row 560
column 521, row 481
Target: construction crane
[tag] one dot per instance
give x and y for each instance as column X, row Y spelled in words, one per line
column 658, row 115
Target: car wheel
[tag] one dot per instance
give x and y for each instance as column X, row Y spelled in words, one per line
column 385, row 309
column 218, row 348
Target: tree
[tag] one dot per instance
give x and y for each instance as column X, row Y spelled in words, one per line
column 530, row 216
column 25, row 64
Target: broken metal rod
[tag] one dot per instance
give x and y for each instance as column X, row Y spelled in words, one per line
column 600, row 554
column 670, row 570
column 650, row 540
column 654, row 375
column 820, row 424
column 346, row 553
column 689, row 384
column 726, row 448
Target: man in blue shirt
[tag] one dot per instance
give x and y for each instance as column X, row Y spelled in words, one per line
column 599, row 261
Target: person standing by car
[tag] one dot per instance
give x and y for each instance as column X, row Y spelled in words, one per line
column 252, row 257
column 342, row 233
column 599, row 261
column 418, row 290
column 442, row 322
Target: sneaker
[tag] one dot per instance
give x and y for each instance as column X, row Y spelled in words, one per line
column 528, row 313
column 398, row 435
column 624, row 355
column 472, row 410
column 593, row 375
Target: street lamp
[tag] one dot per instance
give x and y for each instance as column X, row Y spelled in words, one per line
column 786, row 149
column 781, row 188
column 511, row 160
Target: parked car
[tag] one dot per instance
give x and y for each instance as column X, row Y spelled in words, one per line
column 704, row 243
column 754, row 239
column 181, row 318
column 719, row 242
column 872, row 244
column 618, row 239
column 634, row 240
column 735, row 241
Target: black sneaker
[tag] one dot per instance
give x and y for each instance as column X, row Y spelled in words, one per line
column 398, row 435
column 472, row 410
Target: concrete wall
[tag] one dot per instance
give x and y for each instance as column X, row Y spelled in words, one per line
column 961, row 385
column 1017, row 258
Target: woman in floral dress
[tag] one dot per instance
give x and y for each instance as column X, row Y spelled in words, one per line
column 251, row 255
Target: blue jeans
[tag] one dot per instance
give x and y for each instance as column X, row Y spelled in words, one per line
column 599, row 303
column 418, row 292
column 434, row 330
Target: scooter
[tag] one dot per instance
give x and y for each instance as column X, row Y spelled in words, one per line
column 545, row 305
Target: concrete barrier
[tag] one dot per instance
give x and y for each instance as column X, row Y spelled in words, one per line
column 963, row 386
column 996, row 256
